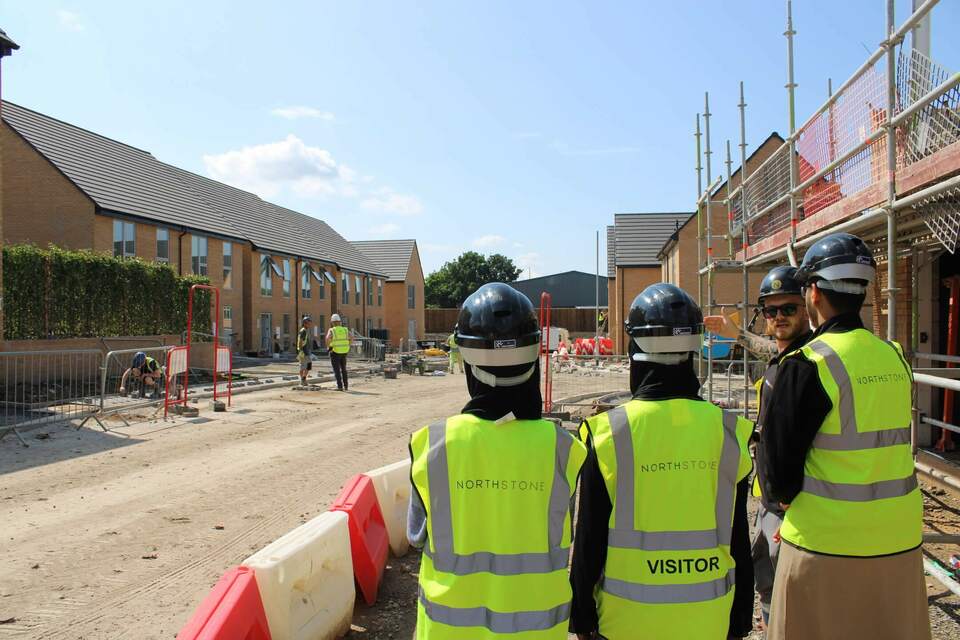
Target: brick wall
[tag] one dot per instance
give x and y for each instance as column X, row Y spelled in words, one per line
column 40, row 206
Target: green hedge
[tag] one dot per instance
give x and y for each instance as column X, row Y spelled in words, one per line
column 53, row 293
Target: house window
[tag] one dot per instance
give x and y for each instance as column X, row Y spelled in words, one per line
column 305, row 271
column 369, row 291
column 198, row 253
column 379, row 293
column 357, row 281
column 286, row 324
column 124, row 244
column 286, row 278
column 411, row 297
column 163, row 245
column 266, row 275
column 319, row 325
column 357, row 324
column 228, row 317
column 321, row 284
column 369, row 326
column 345, row 295
column 228, row 265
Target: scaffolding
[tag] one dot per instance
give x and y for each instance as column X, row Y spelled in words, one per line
column 879, row 158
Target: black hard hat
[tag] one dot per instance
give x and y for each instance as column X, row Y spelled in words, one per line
column 839, row 257
column 780, row 281
column 497, row 327
column 664, row 319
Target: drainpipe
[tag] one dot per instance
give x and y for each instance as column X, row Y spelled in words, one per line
column 180, row 252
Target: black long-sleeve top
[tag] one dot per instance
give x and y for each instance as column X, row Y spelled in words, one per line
column 795, row 410
column 649, row 382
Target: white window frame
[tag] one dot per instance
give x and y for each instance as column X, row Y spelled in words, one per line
column 165, row 233
column 228, row 268
column 199, row 256
column 127, row 239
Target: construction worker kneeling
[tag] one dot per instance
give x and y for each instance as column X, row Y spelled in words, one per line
column 492, row 489
column 662, row 533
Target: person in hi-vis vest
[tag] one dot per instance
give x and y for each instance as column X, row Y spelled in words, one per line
column 836, row 454
column 338, row 341
column 492, row 489
column 781, row 303
column 662, row 548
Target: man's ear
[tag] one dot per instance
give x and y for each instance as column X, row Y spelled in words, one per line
column 815, row 294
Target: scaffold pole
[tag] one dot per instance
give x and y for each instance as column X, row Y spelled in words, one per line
column 709, row 227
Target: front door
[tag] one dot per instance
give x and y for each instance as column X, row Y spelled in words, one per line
column 266, row 333
column 412, row 329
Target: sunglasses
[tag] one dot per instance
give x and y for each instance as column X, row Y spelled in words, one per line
column 788, row 310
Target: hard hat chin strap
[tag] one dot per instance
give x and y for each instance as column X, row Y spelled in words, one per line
column 491, row 380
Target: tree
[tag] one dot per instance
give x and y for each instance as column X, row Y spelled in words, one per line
column 455, row 280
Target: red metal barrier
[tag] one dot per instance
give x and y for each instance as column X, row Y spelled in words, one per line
column 232, row 610
column 545, row 303
column 369, row 540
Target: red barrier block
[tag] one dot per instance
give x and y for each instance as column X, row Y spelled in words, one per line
column 231, row 611
column 369, row 540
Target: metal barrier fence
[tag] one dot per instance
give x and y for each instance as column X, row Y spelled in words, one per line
column 367, row 348
column 47, row 387
column 580, row 380
column 116, row 374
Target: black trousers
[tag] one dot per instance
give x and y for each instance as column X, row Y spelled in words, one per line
column 339, row 363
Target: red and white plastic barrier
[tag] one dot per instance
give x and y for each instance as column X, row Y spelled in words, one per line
column 232, row 610
column 369, row 543
column 306, row 580
column 303, row 584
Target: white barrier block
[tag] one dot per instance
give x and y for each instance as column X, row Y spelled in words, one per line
column 392, row 484
column 223, row 359
column 306, row 580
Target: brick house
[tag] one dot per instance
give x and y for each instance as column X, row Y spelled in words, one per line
column 403, row 295
column 76, row 189
column 633, row 241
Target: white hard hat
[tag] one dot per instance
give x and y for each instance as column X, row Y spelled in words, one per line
column 335, row 317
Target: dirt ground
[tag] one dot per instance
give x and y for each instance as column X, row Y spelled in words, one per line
column 121, row 534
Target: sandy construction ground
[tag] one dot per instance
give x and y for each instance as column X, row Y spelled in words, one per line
column 120, row 535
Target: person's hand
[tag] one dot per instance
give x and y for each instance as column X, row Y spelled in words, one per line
column 123, row 391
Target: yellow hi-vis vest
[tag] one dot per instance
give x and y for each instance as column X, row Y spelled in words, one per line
column 341, row 339
column 671, row 468
column 860, row 495
column 497, row 498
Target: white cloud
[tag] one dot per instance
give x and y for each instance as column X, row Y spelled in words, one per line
column 386, row 200
column 299, row 111
column 530, row 264
column 69, row 20
column 528, row 135
column 491, row 240
column 386, row 230
column 267, row 168
column 518, row 245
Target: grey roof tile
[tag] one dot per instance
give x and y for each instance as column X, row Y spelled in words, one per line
column 123, row 179
column 640, row 236
column 393, row 256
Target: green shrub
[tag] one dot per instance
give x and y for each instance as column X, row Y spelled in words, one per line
column 54, row 293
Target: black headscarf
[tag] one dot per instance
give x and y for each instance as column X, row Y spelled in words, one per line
column 654, row 381
column 492, row 403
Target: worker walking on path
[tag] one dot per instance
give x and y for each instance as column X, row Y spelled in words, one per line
column 454, row 352
column 492, row 489
column 836, row 453
column 305, row 349
column 338, row 342
column 662, row 536
column 782, row 305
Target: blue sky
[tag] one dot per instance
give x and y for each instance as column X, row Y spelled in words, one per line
column 516, row 127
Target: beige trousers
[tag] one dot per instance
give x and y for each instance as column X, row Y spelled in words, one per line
column 818, row 597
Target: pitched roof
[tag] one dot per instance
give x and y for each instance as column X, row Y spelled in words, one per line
column 638, row 237
column 126, row 180
column 393, row 256
column 7, row 45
